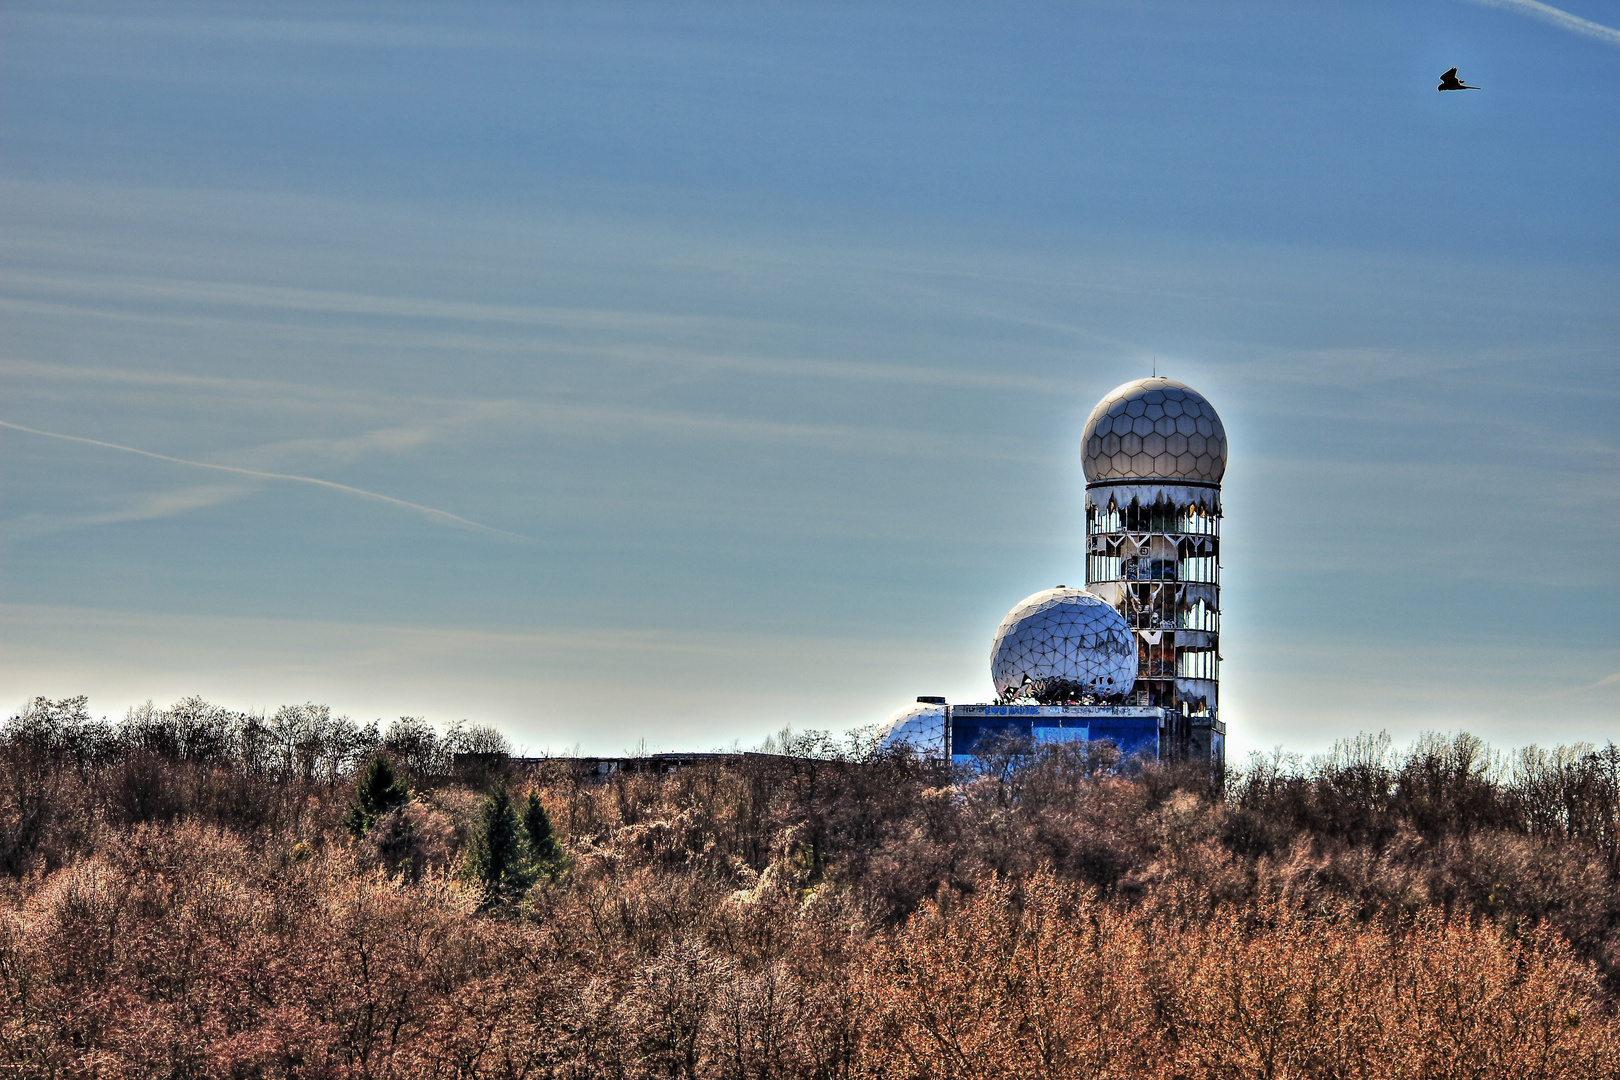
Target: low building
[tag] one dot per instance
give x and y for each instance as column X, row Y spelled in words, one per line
column 1137, row 730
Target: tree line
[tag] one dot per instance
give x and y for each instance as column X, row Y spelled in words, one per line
column 196, row 892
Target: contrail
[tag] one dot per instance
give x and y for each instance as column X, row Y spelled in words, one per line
column 1554, row 17
column 441, row 516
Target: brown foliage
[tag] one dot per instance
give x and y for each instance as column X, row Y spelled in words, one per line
column 176, row 907
column 1042, row 980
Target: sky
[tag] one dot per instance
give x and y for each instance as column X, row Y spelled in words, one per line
column 666, row 374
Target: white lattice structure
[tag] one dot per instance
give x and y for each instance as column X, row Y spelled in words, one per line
column 1060, row 645
column 920, row 727
column 1154, row 456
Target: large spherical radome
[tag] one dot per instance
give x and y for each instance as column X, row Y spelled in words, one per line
column 1062, row 644
column 1154, row 429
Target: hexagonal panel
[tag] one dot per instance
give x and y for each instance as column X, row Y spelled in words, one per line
column 1154, row 408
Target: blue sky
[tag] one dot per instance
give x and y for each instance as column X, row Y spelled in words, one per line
column 760, row 338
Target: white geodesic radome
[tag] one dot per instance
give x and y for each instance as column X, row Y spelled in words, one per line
column 920, row 726
column 1061, row 644
column 1154, row 429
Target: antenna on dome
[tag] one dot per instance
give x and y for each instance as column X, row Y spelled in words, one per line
column 1155, row 367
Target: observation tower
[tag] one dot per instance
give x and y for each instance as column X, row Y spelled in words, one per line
column 1154, row 455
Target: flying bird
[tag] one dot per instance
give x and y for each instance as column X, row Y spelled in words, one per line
column 1449, row 81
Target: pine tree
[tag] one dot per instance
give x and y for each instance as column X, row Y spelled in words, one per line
column 495, row 851
column 379, row 792
column 545, row 854
column 537, row 824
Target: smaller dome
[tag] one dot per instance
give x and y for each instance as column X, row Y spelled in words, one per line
column 1061, row 645
column 1154, row 429
column 920, row 727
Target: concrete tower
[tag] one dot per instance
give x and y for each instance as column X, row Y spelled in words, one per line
column 1155, row 452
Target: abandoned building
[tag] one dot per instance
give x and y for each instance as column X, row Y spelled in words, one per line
column 1133, row 658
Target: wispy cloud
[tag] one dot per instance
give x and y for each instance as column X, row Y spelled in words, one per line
column 625, row 327
column 150, row 506
column 328, row 301
column 164, row 504
column 377, row 34
column 1556, row 17
column 441, row 516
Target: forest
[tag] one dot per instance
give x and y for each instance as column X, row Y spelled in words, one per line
column 197, row 892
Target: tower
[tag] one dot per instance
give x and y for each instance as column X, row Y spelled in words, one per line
column 1154, row 455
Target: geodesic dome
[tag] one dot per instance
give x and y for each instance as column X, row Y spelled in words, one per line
column 920, row 726
column 1154, row 429
column 1061, row 645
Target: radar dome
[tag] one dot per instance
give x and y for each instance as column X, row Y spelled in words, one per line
column 920, row 726
column 1155, row 429
column 1061, row 645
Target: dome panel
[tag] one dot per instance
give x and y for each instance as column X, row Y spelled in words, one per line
column 1063, row 644
column 1146, row 415
column 919, row 727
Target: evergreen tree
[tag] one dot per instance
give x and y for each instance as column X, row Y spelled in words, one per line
column 495, row 851
column 544, row 854
column 379, row 792
column 537, row 824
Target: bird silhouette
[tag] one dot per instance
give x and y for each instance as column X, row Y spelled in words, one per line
column 1449, row 81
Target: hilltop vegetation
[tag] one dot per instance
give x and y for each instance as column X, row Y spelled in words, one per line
column 198, row 892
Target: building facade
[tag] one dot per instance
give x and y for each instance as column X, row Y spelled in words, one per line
column 972, row 731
